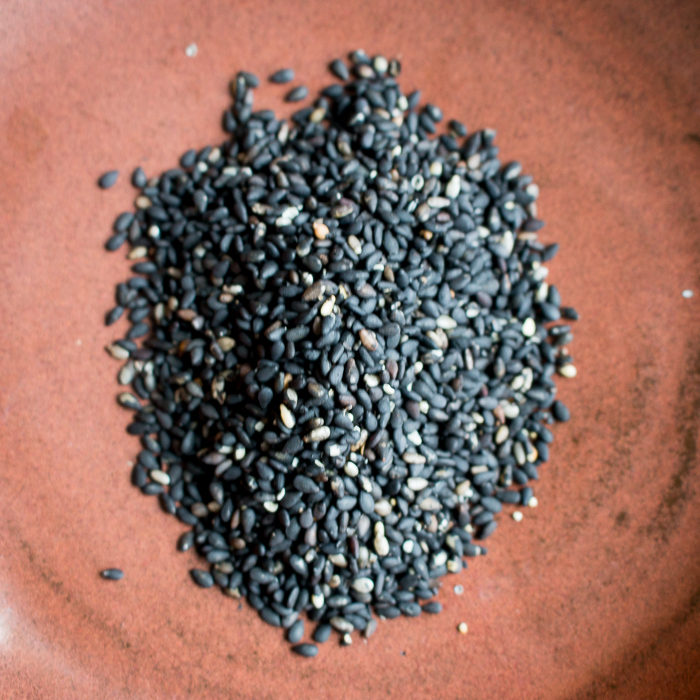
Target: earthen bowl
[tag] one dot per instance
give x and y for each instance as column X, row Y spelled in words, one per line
column 596, row 594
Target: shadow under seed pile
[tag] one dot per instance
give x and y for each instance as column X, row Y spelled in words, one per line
column 347, row 361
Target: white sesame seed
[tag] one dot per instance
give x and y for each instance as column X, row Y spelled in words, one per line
column 416, row 483
column 511, row 410
column 502, row 434
column 464, row 489
column 453, row 187
column 371, row 380
column 381, row 546
column 160, row 477
column 380, row 63
column 529, row 327
column 287, row 417
column 415, row 437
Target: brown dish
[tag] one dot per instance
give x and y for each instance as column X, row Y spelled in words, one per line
column 596, row 594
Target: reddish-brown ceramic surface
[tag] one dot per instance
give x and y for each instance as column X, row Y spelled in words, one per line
column 596, row 594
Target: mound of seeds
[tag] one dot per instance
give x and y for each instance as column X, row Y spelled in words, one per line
column 348, row 350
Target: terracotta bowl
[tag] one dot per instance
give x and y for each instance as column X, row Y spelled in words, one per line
column 596, row 594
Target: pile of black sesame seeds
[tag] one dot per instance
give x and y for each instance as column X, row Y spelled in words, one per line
column 348, row 349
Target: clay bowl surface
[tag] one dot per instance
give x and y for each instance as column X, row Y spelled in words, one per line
column 596, row 594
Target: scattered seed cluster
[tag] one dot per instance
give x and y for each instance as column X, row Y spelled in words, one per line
column 112, row 574
column 348, row 350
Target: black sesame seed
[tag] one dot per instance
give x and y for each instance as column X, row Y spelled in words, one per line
column 271, row 617
column 138, row 178
column 458, row 127
column 202, row 578
column 108, row 179
column 114, row 315
column 322, row 633
column 112, row 574
column 123, row 221
column 435, row 113
column 116, row 241
column 550, row 251
column 560, row 411
column 297, row 94
column 569, row 313
column 307, row 650
column 185, row 541
column 487, row 530
column 295, row 632
column 339, row 69
column 284, row 75
column 414, row 99
column 251, row 79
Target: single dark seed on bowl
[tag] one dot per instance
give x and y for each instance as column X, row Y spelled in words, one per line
column 360, row 57
column 112, row 574
column 188, row 159
column 295, row 632
column 128, row 400
column 560, row 411
column 458, row 127
column 185, row 541
column 307, row 650
column 434, row 112
column 569, row 313
column 251, row 79
column 487, row 530
column 284, row 75
column 138, row 178
column 322, row 633
column 339, row 69
column 550, row 251
column 114, row 315
column 271, row 617
column 202, row 578
column 123, row 221
column 116, row 241
column 297, row 94
column 108, row 179
column 414, row 99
